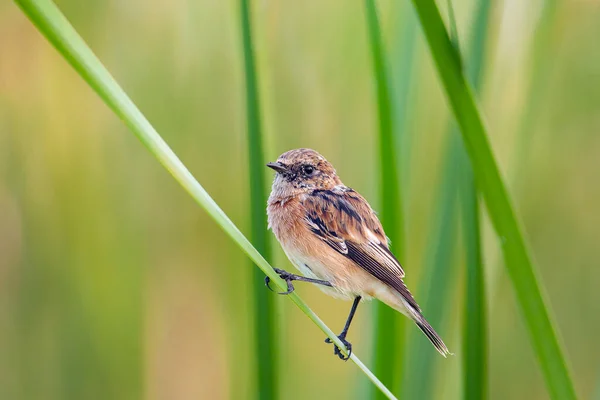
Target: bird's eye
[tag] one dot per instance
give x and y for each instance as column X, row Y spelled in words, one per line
column 308, row 169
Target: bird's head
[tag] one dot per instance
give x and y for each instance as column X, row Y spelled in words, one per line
column 300, row 171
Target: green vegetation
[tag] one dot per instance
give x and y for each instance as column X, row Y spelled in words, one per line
column 265, row 322
column 49, row 20
column 115, row 284
column 516, row 256
column 475, row 332
column 388, row 325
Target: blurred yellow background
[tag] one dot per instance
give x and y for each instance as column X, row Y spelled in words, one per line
column 114, row 284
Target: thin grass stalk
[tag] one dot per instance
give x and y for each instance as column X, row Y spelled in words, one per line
column 265, row 320
column 474, row 332
column 438, row 275
column 58, row 31
column 388, row 325
column 517, row 259
column 536, row 88
column 402, row 113
column 404, row 81
column 436, row 283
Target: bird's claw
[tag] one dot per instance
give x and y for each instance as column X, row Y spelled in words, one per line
column 336, row 349
column 286, row 276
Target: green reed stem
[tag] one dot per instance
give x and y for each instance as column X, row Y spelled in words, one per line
column 388, row 324
column 475, row 348
column 487, row 176
column 436, row 283
column 404, row 82
column 265, row 321
column 438, row 273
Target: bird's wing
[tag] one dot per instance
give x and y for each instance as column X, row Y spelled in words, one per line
column 343, row 219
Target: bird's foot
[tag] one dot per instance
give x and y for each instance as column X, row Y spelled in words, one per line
column 287, row 277
column 336, row 349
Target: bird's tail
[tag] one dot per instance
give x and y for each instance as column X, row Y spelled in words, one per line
column 403, row 301
column 432, row 335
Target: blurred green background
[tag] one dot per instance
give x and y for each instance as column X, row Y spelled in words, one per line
column 114, row 284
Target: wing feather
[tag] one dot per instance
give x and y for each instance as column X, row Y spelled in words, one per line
column 344, row 220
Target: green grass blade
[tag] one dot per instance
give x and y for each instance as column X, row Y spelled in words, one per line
column 478, row 37
column 539, row 75
column 388, row 324
column 265, row 321
column 56, row 28
column 517, row 259
column 404, row 83
column 438, row 272
column 435, row 286
column 537, row 86
column 474, row 333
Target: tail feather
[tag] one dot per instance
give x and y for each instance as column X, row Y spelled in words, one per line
column 406, row 304
column 432, row 335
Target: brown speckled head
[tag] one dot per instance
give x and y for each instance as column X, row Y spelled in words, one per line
column 302, row 170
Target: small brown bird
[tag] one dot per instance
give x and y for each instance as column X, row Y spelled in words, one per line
column 332, row 235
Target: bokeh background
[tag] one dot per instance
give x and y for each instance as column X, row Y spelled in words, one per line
column 115, row 284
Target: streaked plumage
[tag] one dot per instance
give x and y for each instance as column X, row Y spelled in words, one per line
column 331, row 233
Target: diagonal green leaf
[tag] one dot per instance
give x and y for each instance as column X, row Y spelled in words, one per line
column 388, row 324
column 517, row 259
column 56, row 28
column 265, row 321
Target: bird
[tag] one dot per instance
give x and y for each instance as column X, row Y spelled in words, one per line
column 331, row 234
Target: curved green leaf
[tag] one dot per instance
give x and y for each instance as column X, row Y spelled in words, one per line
column 517, row 260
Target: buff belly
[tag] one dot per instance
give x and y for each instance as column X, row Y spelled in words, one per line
column 348, row 280
column 312, row 267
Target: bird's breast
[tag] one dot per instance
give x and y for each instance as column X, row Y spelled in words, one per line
column 309, row 254
column 285, row 218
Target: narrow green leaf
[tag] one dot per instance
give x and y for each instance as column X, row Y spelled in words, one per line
column 537, row 86
column 56, row 28
column 517, row 259
column 475, row 355
column 438, row 273
column 474, row 340
column 404, row 84
column 438, row 276
column 388, row 324
column 265, row 321
column 437, row 281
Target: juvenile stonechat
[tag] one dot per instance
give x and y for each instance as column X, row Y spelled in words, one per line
column 333, row 236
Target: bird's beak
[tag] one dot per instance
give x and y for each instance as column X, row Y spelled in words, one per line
column 277, row 166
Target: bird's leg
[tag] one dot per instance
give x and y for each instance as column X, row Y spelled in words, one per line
column 342, row 336
column 289, row 277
